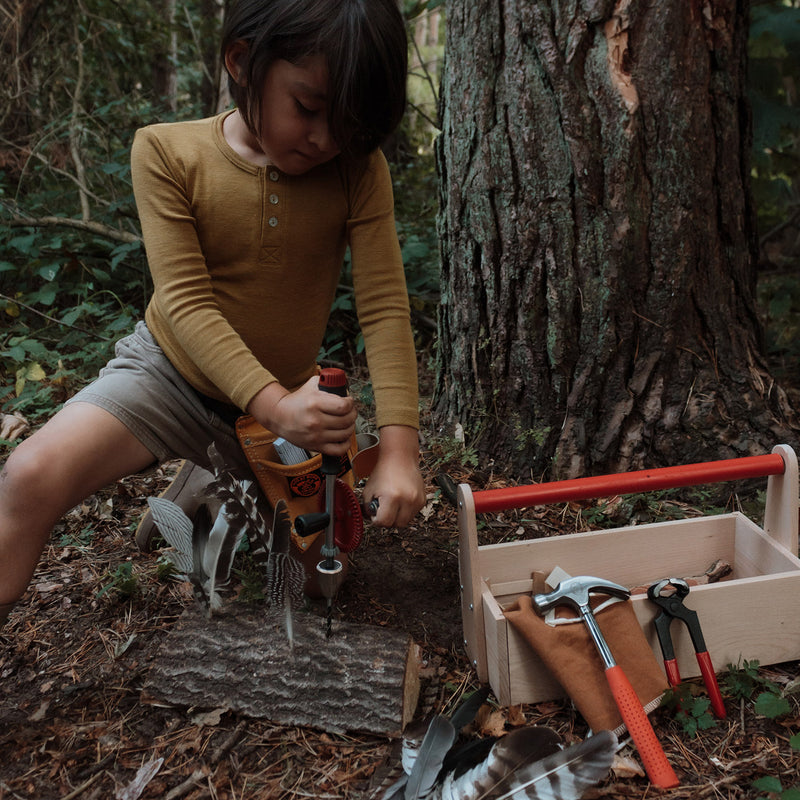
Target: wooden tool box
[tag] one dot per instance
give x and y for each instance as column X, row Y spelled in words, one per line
column 752, row 614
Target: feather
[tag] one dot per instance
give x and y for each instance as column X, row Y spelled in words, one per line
column 176, row 528
column 513, row 770
column 468, row 709
column 464, row 714
column 397, row 790
column 188, row 540
column 241, row 503
column 198, row 576
column 286, row 576
column 223, row 541
column 438, row 740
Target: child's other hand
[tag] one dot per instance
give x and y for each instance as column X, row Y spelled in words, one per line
column 307, row 417
column 396, row 480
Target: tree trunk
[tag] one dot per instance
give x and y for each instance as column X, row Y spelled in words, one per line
column 214, row 85
column 16, row 73
column 165, row 67
column 598, row 237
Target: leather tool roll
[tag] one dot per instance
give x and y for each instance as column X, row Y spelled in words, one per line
column 568, row 651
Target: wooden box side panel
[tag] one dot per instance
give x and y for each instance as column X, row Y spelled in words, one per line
column 496, row 630
column 516, row 675
column 758, row 553
column 631, row 556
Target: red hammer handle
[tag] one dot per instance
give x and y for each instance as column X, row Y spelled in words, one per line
column 655, row 762
column 712, row 687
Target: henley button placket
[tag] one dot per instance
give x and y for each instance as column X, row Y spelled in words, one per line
column 273, row 198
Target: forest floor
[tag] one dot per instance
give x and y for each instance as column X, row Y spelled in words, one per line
column 76, row 652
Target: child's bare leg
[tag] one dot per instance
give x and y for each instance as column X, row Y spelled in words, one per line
column 80, row 450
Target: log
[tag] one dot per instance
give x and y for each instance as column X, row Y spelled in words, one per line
column 361, row 679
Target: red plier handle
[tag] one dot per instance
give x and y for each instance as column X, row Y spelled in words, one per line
column 672, row 607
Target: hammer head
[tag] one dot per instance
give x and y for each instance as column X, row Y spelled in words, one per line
column 575, row 592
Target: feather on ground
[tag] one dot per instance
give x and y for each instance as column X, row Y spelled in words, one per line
column 526, row 763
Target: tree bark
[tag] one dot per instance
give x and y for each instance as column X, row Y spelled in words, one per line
column 165, row 68
column 598, row 237
column 362, row 678
column 17, row 72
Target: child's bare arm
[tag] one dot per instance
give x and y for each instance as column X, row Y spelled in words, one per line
column 396, row 480
column 307, row 417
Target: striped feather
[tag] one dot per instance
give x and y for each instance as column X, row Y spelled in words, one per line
column 222, row 543
column 243, row 512
column 286, row 576
column 514, row 770
column 176, row 528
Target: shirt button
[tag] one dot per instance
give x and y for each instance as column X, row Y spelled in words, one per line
column 273, row 221
column 273, row 175
column 273, row 198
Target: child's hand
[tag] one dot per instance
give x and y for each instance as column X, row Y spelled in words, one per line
column 307, row 417
column 396, row 480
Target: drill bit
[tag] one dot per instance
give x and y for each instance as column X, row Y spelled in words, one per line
column 329, row 569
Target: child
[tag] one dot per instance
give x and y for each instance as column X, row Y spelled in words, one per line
column 246, row 217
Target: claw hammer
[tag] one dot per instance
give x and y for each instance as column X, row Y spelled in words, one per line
column 575, row 592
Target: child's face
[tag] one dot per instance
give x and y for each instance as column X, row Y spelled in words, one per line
column 293, row 127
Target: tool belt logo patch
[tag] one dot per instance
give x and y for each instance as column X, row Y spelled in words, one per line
column 305, row 485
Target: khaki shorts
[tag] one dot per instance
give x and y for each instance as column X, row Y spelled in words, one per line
column 142, row 389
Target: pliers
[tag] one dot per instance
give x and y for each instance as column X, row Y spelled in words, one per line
column 672, row 607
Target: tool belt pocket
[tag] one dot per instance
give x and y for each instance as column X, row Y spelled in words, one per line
column 301, row 485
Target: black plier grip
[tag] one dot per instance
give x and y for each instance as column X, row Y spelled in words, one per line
column 672, row 607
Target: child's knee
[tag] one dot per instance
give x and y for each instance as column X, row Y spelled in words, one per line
column 28, row 472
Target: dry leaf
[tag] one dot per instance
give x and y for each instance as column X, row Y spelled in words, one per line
column 40, row 713
column 135, row 788
column 516, row 717
column 494, row 724
column 211, row 718
column 626, row 767
column 12, row 426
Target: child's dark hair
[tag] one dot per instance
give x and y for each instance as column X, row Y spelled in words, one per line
column 365, row 48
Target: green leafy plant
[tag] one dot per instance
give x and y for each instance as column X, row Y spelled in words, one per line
column 122, row 581
column 741, row 680
column 774, row 788
column 80, row 540
column 691, row 709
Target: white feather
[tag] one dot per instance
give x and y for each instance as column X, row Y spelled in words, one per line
column 176, row 528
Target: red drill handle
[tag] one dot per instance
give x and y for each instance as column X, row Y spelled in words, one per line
column 654, row 760
column 333, row 381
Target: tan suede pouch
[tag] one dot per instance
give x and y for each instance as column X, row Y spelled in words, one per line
column 300, row 485
column 570, row 654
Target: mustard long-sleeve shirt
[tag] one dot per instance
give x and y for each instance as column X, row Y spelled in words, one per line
column 245, row 262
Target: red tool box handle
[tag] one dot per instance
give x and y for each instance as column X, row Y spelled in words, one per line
column 646, row 480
